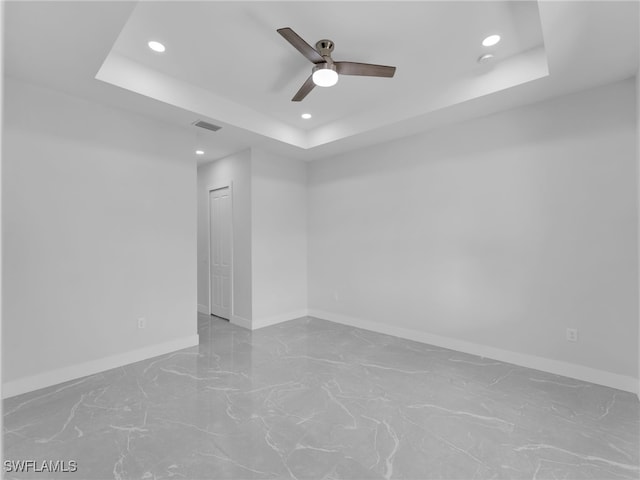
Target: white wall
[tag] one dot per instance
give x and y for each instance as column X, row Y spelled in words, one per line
column 499, row 232
column 233, row 170
column 99, row 228
column 1, row 195
column 269, row 231
column 279, row 238
column 638, row 178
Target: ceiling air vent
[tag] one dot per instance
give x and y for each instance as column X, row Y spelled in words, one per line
column 207, row 125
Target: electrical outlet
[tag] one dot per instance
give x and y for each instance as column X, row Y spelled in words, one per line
column 142, row 322
column 572, row 334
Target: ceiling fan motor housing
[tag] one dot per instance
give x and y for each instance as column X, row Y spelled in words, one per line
column 325, row 47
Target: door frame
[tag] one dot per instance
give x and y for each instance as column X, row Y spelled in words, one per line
column 212, row 188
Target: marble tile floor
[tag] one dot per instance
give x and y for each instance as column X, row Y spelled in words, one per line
column 311, row 399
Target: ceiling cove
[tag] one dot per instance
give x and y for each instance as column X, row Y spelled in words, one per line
column 225, row 62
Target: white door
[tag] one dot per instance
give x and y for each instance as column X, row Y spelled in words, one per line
column 220, row 252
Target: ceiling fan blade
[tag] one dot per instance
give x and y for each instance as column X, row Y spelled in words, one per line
column 304, row 89
column 364, row 69
column 303, row 47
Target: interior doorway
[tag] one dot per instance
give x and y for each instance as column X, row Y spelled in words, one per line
column 220, row 252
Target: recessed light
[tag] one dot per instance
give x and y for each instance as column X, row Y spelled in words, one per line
column 491, row 40
column 156, row 46
column 485, row 58
column 199, row 152
column 306, row 116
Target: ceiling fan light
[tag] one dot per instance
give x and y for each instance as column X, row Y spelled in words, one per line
column 325, row 76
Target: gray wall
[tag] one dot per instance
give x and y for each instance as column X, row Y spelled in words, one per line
column 234, row 170
column 279, row 247
column 99, row 228
column 269, row 232
column 501, row 231
column 638, row 220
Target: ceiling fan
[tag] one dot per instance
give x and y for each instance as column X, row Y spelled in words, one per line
column 325, row 71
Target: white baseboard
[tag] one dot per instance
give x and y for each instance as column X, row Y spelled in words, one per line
column 267, row 321
column 203, row 309
column 580, row 372
column 53, row 377
column 273, row 320
column 240, row 322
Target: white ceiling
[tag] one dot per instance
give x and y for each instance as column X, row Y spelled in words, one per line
column 233, row 50
column 225, row 63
